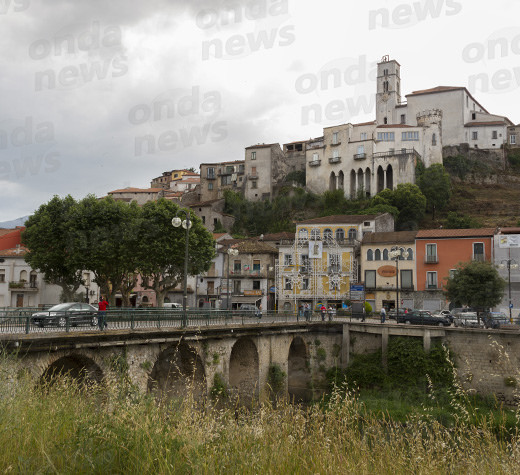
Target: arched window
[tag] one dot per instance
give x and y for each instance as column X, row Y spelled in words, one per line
column 370, row 255
column 303, row 234
column 23, row 276
column 315, row 234
column 340, row 234
column 352, row 234
column 327, row 234
column 410, row 254
column 377, row 255
column 385, row 254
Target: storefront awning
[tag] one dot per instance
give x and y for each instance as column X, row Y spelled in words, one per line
column 246, row 298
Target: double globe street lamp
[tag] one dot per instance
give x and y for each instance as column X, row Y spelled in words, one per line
column 186, row 224
column 397, row 253
column 230, row 252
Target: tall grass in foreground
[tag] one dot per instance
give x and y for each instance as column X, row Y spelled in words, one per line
column 62, row 428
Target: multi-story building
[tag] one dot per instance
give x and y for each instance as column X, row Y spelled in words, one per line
column 265, row 167
column 506, row 256
column 295, row 154
column 369, row 157
column 215, row 178
column 438, row 251
column 321, row 262
column 212, row 213
column 139, row 195
column 166, row 178
column 382, row 274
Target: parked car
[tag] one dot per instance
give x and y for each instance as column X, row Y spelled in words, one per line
column 172, row 305
column 467, row 319
column 423, row 317
column 445, row 313
column 496, row 320
column 248, row 310
column 392, row 313
column 77, row 313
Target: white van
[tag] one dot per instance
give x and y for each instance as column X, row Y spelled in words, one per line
column 173, row 305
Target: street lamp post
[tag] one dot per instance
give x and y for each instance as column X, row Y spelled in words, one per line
column 230, row 252
column 186, row 224
column 509, row 264
column 396, row 253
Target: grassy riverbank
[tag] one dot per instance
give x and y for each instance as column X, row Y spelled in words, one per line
column 63, row 429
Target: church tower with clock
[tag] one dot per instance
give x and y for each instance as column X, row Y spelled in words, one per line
column 388, row 96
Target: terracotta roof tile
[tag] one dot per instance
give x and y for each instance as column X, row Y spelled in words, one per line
column 137, row 190
column 455, row 233
column 14, row 252
column 341, row 219
column 389, row 237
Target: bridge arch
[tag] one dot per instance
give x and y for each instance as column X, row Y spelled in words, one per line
column 178, row 372
column 244, row 370
column 78, row 367
column 299, row 375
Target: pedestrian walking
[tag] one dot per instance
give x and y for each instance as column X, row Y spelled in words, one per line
column 259, row 311
column 332, row 312
column 307, row 312
column 323, row 312
column 383, row 314
column 364, row 314
column 102, row 307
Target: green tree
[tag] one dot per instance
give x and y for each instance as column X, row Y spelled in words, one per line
column 50, row 250
column 161, row 248
column 435, row 185
column 476, row 284
column 104, row 236
column 408, row 200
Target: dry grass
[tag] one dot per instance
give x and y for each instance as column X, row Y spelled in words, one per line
column 65, row 429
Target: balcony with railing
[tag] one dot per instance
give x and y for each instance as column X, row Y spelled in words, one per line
column 252, row 176
column 334, row 159
column 25, row 286
column 360, row 156
column 211, row 176
column 431, row 286
column 315, row 163
column 393, row 153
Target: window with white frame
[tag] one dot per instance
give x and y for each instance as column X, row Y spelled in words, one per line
column 478, row 251
column 334, row 138
column 352, row 234
column 335, row 154
column 305, row 283
column 512, row 139
column 403, row 119
column 386, row 136
column 315, row 234
column 406, row 279
column 370, row 255
column 370, row 279
column 340, row 234
column 431, row 280
column 327, row 234
column 2, row 275
column 452, row 273
column 410, row 254
column 431, row 253
column 385, row 254
column 288, row 283
column 474, row 135
column 360, row 149
column 287, row 260
column 315, row 157
column 377, row 255
column 303, row 234
column 210, row 172
column 494, row 134
column 363, row 136
column 335, row 262
column 253, row 155
column 304, row 263
column 408, row 136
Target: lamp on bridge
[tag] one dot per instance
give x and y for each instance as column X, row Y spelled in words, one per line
column 230, row 252
column 397, row 253
column 509, row 264
column 186, row 224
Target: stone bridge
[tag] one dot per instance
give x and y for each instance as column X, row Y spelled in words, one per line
column 171, row 362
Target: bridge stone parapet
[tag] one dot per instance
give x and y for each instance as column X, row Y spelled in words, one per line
column 170, row 362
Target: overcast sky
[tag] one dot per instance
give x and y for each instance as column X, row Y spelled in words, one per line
column 101, row 95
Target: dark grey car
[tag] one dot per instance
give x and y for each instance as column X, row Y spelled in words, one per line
column 422, row 317
column 75, row 312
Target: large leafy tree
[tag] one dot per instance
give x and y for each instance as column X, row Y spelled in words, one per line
column 435, row 185
column 104, row 235
column 476, row 284
column 47, row 236
column 410, row 202
column 162, row 246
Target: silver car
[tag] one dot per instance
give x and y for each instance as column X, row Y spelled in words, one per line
column 468, row 320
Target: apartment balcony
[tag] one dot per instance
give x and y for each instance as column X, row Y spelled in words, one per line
column 250, row 176
column 430, row 286
column 394, row 153
column 360, row 156
column 334, row 159
column 23, row 286
column 315, row 163
column 259, row 274
column 431, row 259
column 211, row 177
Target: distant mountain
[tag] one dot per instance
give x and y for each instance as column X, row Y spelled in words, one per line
column 15, row 222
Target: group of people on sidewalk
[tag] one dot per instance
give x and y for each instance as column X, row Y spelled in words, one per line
column 304, row 311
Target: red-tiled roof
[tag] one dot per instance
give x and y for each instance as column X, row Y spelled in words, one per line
column 455, row 233
column 389, row 237
column 365, row 123
column 137, row 190
column 340, row 219
column 14, row 252
column 510, row 230
column 262, row 145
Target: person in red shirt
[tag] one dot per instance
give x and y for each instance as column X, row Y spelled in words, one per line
column 102, row 306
